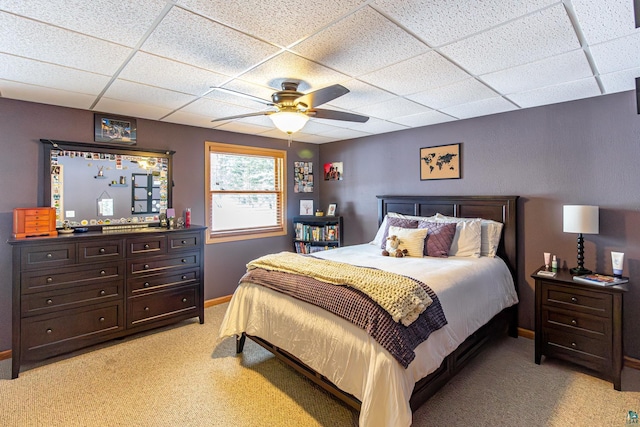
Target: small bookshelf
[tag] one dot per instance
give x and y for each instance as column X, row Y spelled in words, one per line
column 317, row 233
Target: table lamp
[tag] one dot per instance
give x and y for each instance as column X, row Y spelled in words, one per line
column 581, row 219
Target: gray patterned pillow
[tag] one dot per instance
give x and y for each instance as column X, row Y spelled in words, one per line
column 439, row 238
column 396, row 222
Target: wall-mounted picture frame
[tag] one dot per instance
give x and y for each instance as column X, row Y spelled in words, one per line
column 333, row 171
column 306, row 207
column 115, row 129
column 331, row 210
column 441, row 162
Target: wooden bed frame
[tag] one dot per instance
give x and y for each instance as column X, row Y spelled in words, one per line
column 497, row 208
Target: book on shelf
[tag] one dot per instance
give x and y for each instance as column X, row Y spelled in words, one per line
column 600, row 279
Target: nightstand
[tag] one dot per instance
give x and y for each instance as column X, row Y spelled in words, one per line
column 579, row 323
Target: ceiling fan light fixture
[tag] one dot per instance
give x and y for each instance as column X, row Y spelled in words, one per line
column 289, row 122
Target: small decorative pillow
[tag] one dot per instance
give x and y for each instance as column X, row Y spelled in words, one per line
column 396, row 222
column 439, row 238
column 411, row 239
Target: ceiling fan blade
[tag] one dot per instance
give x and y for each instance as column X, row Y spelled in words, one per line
column 337, row 115
column 244, row 95
column 320, row 96
column 240, row 116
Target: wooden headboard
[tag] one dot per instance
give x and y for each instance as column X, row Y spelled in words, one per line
column 497, row 208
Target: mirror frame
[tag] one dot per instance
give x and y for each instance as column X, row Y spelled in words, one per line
column 50, row 145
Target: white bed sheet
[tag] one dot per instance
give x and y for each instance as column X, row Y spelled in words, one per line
column 471, row 291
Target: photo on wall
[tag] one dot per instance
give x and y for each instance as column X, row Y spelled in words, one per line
column 303, row 177
column 333, row 171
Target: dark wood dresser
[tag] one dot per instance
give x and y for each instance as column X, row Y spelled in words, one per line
column 580, row 323
column 76, row 290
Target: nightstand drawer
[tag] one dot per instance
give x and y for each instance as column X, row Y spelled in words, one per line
column 576, row 322
column 573, row 298
column 578, row 343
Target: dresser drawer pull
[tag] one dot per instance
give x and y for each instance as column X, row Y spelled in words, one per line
column 573, row 345
column 49, row 279
column 184, row 300
column 184, row 260
column 101, row 319
column 103, row 292
column 184, row 242
column 102, row 272
column 146, row 284
column 102, row 250
column 574, row 300
column 49, row 256
column 184, row 277
column 49, row 331
column 49, row 301
column 574, row 322
column 146, row 309
column 146, row 246
column 146, row 266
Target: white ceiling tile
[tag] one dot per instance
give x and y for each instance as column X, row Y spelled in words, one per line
column 195, row 40
column 45, row 95
column 375, row 126
column 237, row 85
column 214, row 109
column 396, row 107
column 360, row 43
column 313, row 139
column 617, row 55
column 480, row 108
column 242, row 127
column 277, row 20
column 442, row 21
column 462, row 92
column 620, row 81
column 542, row 34
column 164, row 73
column 427, row 71
column 123, row 22
column 359, row 94
column 320, row 126
column 288, row 67
column 603, row 20
column 133, row 109
column 423, row 119
column 342, row 133
column 135, row 92
column 43, row 42
column 549, row 71
column 49, row 75
column 182, row 117
column 584, row 88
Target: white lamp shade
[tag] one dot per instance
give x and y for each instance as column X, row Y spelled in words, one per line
column 289, row 122
column 580, row 219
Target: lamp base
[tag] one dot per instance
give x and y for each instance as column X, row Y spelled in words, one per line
column 577, row 271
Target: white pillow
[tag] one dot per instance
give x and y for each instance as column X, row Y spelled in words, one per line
column 490, row 233
column 467, row 241
column 380, row 234
column 411, row 239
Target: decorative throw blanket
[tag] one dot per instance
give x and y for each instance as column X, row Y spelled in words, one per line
column 402, row 297
column 356, row 307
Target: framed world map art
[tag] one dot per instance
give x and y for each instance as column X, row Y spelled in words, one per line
column 440, row 162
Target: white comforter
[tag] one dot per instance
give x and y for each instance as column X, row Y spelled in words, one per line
column 471, row 291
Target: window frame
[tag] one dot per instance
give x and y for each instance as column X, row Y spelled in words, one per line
column 280, row 157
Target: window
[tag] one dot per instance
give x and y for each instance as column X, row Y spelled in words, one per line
column 246, row 192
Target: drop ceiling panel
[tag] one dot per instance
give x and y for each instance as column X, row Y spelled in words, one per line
column 360, row 94
column 396, row 107
column 243, row 127
column 620, row 81
column 617, row 55
column 360, row 43
column 375, row 126
column 604, row 20
column 584, row 88
column 195, row 40
column 266, row 19
column 423, row 119
column 43, row 42
column 342, row 133
column 463, row 92
column 539, row 35
column 191, row 119
column 45, row 95
column 480, row 108
column 123, row 22
column 134, row 109
column 214, row 109
column 402, row 78
column 134, row 92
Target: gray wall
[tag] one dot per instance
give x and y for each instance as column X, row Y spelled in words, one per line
column 581, row 152
column 22, row 124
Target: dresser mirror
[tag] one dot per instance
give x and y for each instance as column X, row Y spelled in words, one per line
column 93, row 185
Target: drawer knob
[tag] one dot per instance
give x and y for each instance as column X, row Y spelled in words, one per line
column 573, row 345
column 184, row 260
column 103, row 292
column 146, row 246
column 102, row 272
column 574, row 322
column 146, row 309
column 146, row 284
column 49, row 279
column 184, row 300
column 574, row 299
column 49, row 255
column 49, row 331
column 146, row 266
column 184, row 242
column 184, row 277
column 49, row 301
column 102, row 250
column 101, row 319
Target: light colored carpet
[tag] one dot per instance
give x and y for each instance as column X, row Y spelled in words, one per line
column 181, row 376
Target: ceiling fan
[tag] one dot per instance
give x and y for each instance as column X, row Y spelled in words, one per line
column 293, row 108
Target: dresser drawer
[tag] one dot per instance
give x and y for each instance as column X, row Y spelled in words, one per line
column 577, row 322
column 49, row 256
column 71, row 277
column 101, row 251
column 582, row 300
column 181, row 242
column 33, row 223
column 147, row 245
column 45, row 302
column 47, row 335
column 162, row 280
column 158, row 264
column 164, row 304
